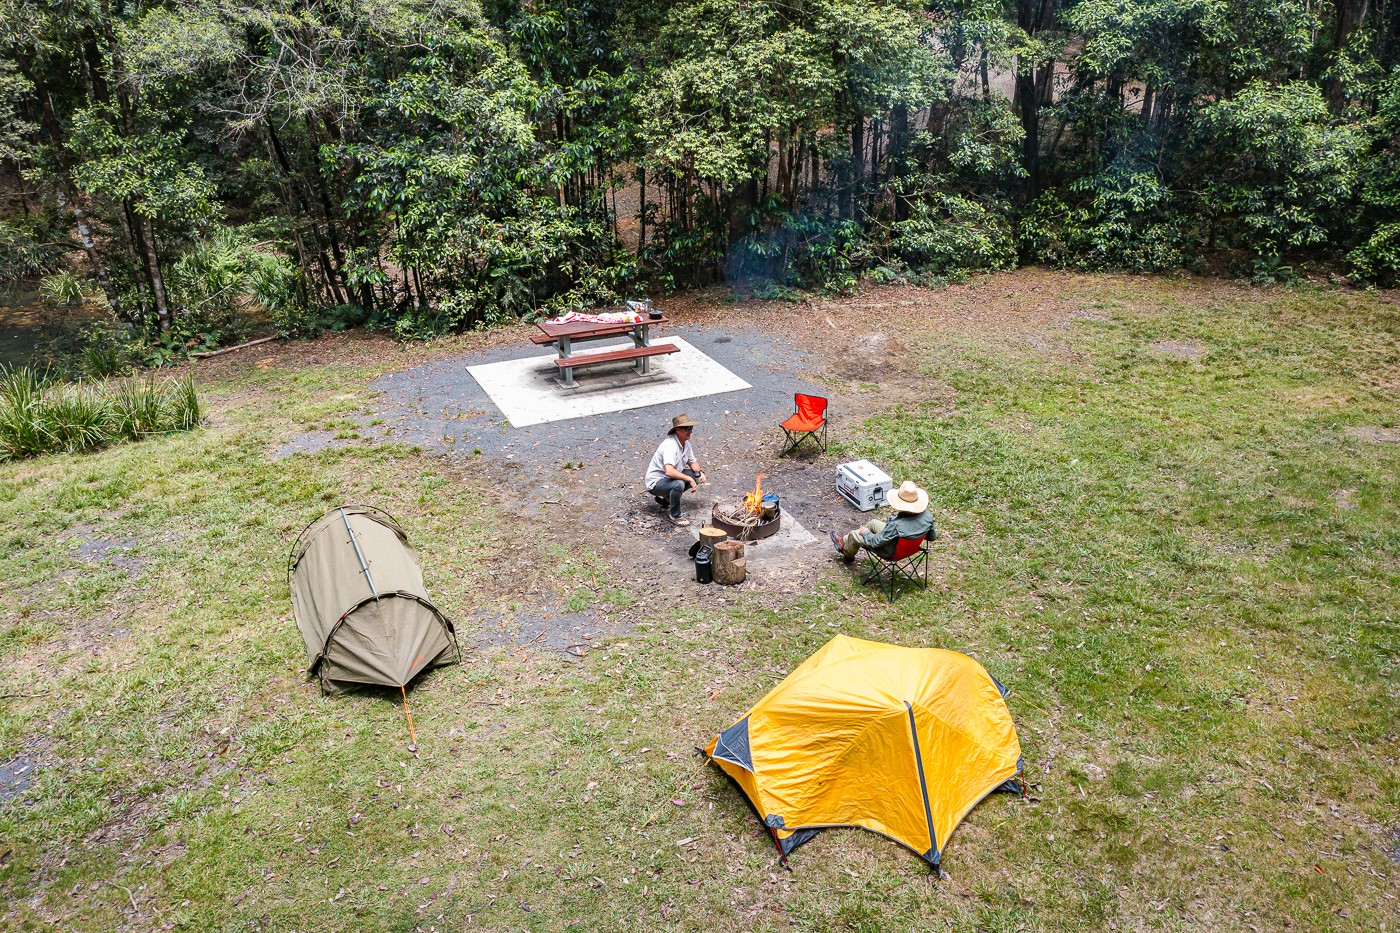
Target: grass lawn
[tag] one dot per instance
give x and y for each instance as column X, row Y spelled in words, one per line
column 1170, row 524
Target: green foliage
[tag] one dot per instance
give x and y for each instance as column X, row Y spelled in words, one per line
column 154, row 170
column 802, row 252
column 449, row 167
column 77, row 349
column 1377, row 256
column 952, row 233
column 31, row 247
column 1378, row 259
column 1276, row 172
column 1119, row 221
column 108, row 352
column 40, row 414
column 1271, row 270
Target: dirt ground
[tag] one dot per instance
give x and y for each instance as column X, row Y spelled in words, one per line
column 580, row 479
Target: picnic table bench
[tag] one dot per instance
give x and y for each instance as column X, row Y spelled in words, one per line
column 564, row 336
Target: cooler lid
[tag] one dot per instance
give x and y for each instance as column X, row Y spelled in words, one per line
column 865, row 472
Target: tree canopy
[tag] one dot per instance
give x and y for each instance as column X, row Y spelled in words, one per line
column 428, row 166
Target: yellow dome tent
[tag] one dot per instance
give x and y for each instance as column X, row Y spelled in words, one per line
column 901, row 741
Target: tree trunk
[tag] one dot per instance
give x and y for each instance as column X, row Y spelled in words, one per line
column 327, row 271
column 136, row 253
column 1030, row 122
column 857, row 184
column 1350, row 15
column 1034, row 86
column 642, row 213
column 148, row 236
column 898, row 151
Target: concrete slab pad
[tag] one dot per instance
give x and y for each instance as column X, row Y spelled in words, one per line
column 527, row 391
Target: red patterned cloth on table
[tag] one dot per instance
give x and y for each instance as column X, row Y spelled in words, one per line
column 606, row 317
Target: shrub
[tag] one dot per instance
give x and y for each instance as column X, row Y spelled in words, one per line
column 1378, row 259
column 216, row 281
column 1120, row 220
column 40, row 414
column 1277, row 172
column 951, row 233
column 63, row 288
column 91, row 349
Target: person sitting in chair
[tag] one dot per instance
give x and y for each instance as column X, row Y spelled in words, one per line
column 674, row 469
column 911, row 519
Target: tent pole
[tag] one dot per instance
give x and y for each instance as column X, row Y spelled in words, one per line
column 356, row 544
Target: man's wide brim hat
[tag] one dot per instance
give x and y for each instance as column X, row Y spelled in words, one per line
column 680, row 421
column 908, row 498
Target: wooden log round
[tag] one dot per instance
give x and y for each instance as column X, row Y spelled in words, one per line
column 730, row 565
column 710, row 536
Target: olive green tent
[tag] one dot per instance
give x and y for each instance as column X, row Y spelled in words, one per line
column 359, row 600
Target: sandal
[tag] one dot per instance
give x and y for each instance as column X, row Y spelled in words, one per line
column 840, row 544
column 679, row 522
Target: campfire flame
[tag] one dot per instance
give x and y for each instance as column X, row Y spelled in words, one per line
column 753, row 501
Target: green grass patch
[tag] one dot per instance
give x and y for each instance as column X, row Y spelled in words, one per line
column 1185, row 566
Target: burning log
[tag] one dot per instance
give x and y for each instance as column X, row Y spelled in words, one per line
column 753, row 501
column 750, row 520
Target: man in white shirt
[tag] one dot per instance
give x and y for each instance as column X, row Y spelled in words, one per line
column 674, row 469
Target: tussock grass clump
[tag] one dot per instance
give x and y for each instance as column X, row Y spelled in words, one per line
column 40, row 414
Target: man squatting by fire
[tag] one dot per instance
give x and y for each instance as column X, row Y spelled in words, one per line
column 674, row 470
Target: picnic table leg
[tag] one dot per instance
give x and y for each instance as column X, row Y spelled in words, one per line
column 565, row 345
column 640, row 337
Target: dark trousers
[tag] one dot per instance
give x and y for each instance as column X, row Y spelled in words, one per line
column 671, row 490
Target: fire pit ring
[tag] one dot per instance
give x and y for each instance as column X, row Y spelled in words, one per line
column 746, row 531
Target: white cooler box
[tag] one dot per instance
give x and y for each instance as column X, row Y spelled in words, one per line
column 864, row 485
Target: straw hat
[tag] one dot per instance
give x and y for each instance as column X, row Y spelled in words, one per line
column 908, row 498
column 680, row 421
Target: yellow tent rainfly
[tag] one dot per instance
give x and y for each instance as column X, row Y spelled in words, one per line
column 900, row 741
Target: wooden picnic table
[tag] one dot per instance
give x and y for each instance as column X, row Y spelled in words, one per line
column 564, row 336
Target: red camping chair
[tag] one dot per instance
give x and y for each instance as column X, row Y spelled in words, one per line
column 909, row 564
column 808, row 420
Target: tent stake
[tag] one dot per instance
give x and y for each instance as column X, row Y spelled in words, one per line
column 782, row 857
column 412, row 737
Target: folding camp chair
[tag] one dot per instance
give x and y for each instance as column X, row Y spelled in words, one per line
column 808, row 420
column 909, row 564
